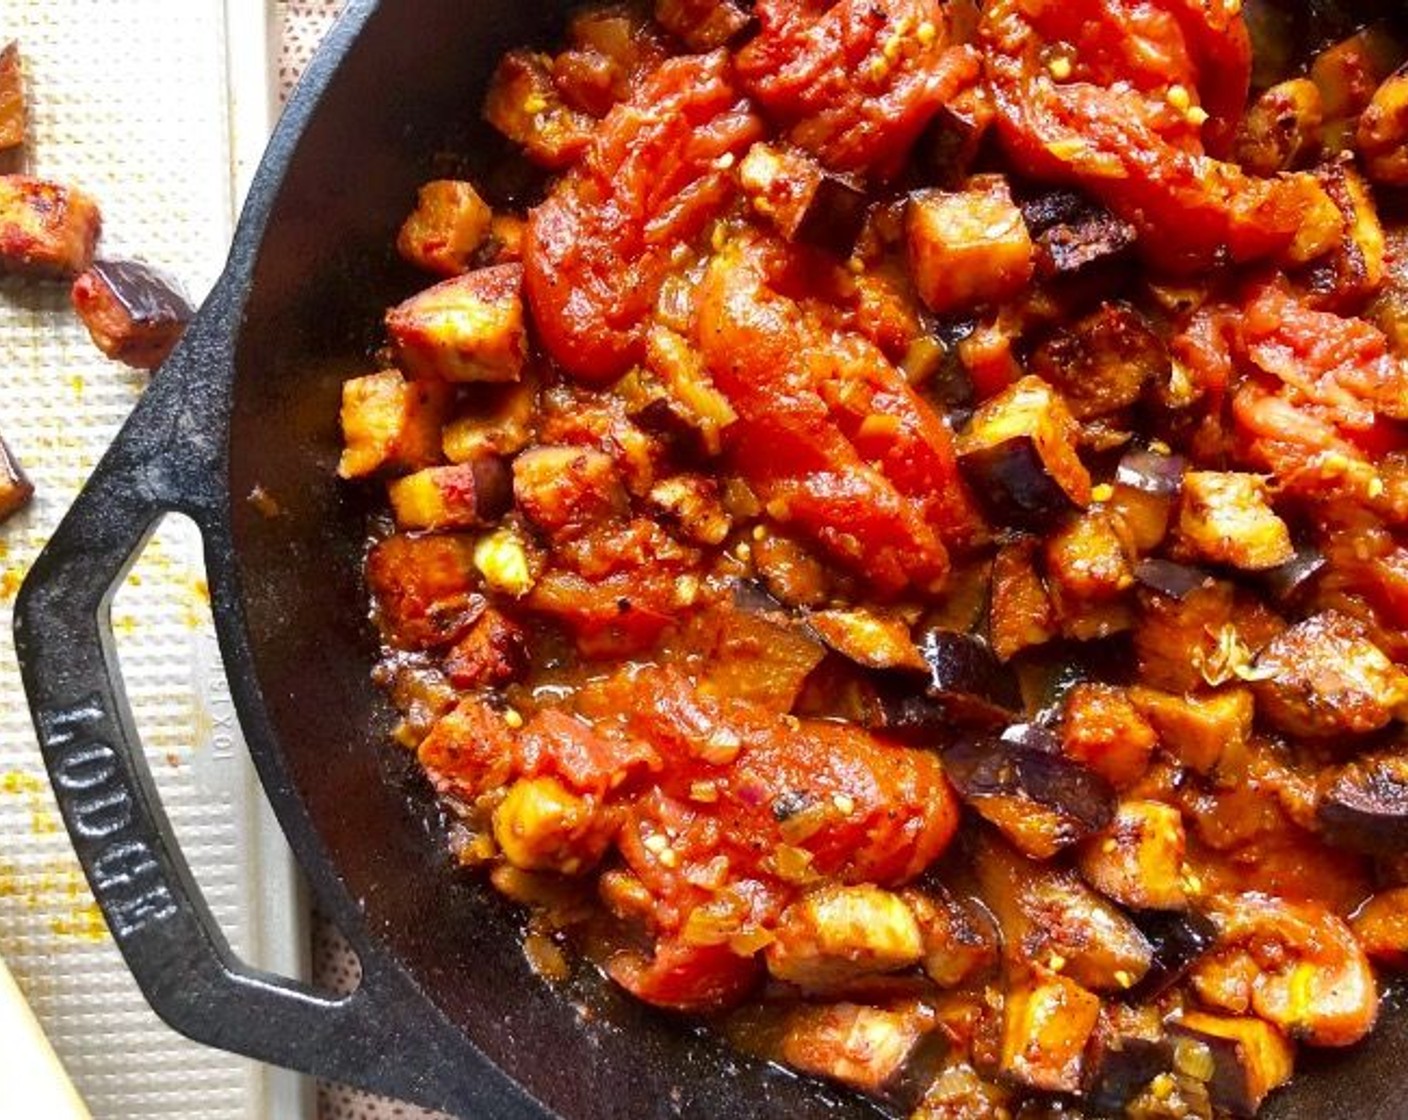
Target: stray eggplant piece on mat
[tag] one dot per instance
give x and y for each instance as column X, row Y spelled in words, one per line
column 807, row 203
column 135, row 313
column 15, row 489
column 47, row 230
column 1366, row 805
column 13, row 113
column 1019, row 456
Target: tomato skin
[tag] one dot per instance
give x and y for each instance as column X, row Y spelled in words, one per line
column 690, row 978
column 829, row 433
column 598, row 248
column 823, row 72
column 1112, row 129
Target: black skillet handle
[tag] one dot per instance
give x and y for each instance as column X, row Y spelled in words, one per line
column 167, row 458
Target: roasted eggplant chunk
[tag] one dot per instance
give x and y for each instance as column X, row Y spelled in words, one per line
column 47, row 230
column 1241, row 1058
column 391, row 424
column 469, row 328
column 805, row 202
column 1018, row 454
column 1383, row 133
column 1178, row 939
column 15, row 489
column 449, row 223
column 1325, row 677
column 1366, row 804
column 460, row 496
column 1102, row 362
column 1226, row 518
column 134, row 313
column 965, row 677
column 1074, row 234
column 1041, row 801
column 968, row 247
column 1281, row 129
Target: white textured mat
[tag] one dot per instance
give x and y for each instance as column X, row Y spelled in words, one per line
column 132, row 100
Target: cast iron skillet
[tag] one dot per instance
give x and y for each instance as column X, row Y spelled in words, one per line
column 448, row 1014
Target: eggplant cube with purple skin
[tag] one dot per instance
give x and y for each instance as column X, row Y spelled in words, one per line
column 391, row 424
column 134, row 313
column 1018, row 454
column 807, row 203
column 460, row 496
column 967, row 248
column 469, row 328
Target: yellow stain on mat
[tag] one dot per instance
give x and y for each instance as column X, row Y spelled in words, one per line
column 59, row 888
column 10, row 580
column 43, row 821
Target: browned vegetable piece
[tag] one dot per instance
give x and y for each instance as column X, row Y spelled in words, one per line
column 1241, row 1058
column 863, row 1047
column 958, row 1093
column 1324, row 677
column 1047, row 1021
column 469, row 751
column 1020, row 614
column 563, row 490
column 1147, row 485
column 1348, row 74
column 1300, row 965
column 449, row 223
column 461, row 496
column 967, row 680
column 499, row 420
column 13, row 112
column 524, row 104
column 840, row 933
column 805, row 202
column 541, row 825
column 391, row 424
column 15, row 489
column 691, row 403
column 469, row 328
column 1104, row 731
column 790, row 571
column 134, row 313
column 692, row 502
column 1018, row 455
column 960, row 942
column 610, row 47
column 424, row 589
column 949, row 144
column 1199, row 728
column 1102, row 362
column 967, row 247
column 1381, row 927
column 1074, row 234
column 1281, row 128
column 1208, row 637
column 703, row 25
column 869, row 638
column 1353, row 271
column 46, row 229
column 1128, row 1050
column 494, row 652
column 1366, row 804
column 1041, row 801
column 1087, row 564
column 1226, row 518
column 1179, row 938
column 1137, row 859
column 761, row 658
column 1382, row 137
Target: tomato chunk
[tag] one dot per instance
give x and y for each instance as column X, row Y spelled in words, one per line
column 656, row 173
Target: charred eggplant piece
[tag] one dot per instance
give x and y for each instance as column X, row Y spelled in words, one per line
column 1102, row 362
column 13, row 113
column 134, row 313
column 1168, row 577
column 46, row 229
column 967, row 679
column 1226, row 518
column 1074, row 235
column 1382, row 136
column 469, row 328
column 1240, row 1058
column 1281, row 128
column 1120, row 1067
column 1041, row 801
column 1366, row 806
column 949, row 145
column 1286, row 583
column 808, row 204
column 1019, row 456
column 1151, row 472
column 15, row 489
column 1178, row 939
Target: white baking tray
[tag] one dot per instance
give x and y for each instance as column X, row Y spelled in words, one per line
column 160, row 109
